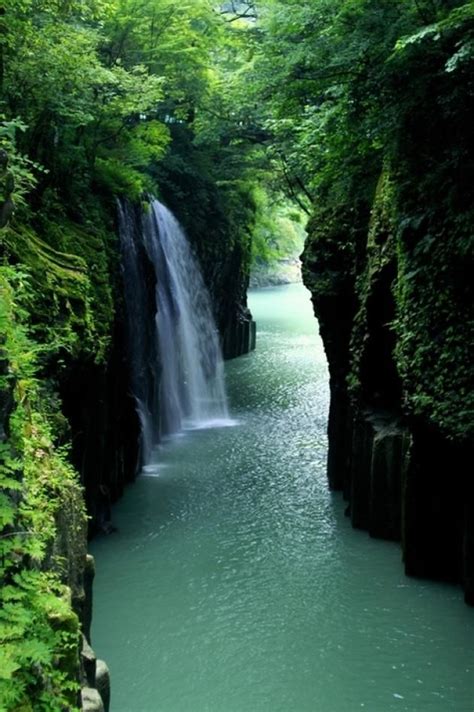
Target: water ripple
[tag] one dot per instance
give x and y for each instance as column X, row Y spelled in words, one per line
column 236, row 584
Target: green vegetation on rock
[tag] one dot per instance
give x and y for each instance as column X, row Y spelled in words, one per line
column 246, row 119
column 39, row 570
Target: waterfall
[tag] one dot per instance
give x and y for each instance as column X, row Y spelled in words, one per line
column 177, row 372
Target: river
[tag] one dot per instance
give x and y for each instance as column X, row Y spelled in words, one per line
column 235, row 583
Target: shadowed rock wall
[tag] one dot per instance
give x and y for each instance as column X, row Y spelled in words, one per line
column 403, row 469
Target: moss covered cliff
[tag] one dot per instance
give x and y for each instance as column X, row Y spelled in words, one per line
column 392, row 287
column 43, row 543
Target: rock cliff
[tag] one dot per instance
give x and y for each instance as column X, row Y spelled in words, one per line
column 394, row 302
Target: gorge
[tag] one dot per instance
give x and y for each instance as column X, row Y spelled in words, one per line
column 235, row 582
column 227, row 577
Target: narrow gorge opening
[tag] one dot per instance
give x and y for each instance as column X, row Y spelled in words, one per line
column 232, row 567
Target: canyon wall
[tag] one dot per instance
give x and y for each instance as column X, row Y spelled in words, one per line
column 391, row 285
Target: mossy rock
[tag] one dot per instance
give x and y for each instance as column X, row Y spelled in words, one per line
column 70, row 287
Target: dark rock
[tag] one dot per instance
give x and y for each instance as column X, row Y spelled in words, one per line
column 3, row 159
column 239, row 336
column 89, row 575
column 389, row 457
column 102, row 678
column 253, row 335
column 91, row 700
column 435, row 522
column 340, row 439
column 360, row 470
column 105, row 430
column 7, row 209
column 468, row 546
column 89, row 662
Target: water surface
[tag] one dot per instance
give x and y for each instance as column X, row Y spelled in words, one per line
column 236, row 584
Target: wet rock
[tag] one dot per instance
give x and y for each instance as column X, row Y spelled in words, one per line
column 435, row 521
column 102, row 681
column 340, row 440
column 91, row 700
column 253, row 336
column 3, row 160
column 89, row 663
column 362, row 445
column 7, row 209
column 468, row 547
column 389, row 457
column 89, row 574
column 240, row 336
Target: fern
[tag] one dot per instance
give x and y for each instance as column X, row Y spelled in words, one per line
column 38, row 629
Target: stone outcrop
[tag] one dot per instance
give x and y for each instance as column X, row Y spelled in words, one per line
column 105, row 429
column 102, row 681
column 7, row 185
column 403, row 469
column 95, row 678
column 240, row 335
column 284, row 271
column 91, row 700
column 94, row 673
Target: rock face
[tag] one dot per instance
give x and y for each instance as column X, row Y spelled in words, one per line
column 240, row 335
column 91, row 700
column 394, row 449
column 7, row 185
column 102, row 679
column 105, row 428
column 95, row 681
column 219, row 224
column 285, row 271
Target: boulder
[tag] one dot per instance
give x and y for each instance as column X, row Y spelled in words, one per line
column 102, row 681
column 91, row 700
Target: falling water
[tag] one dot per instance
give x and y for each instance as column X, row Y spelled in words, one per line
column 175, row 353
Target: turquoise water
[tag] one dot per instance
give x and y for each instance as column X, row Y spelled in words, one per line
column 236, row 584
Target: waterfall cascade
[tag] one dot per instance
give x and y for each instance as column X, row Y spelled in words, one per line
column 176, row 362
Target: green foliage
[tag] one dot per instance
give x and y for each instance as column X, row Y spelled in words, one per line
column 319, row 64
column 434, row 198
column 18, row 174
column 109, row 95
column 58, row 290
column 38, row 629
column 355, row 89
column 231, row 116
column 279, row 228
column 74, row 107
column 118, row 179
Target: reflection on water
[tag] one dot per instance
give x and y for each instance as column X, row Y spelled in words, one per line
column 235, row 584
